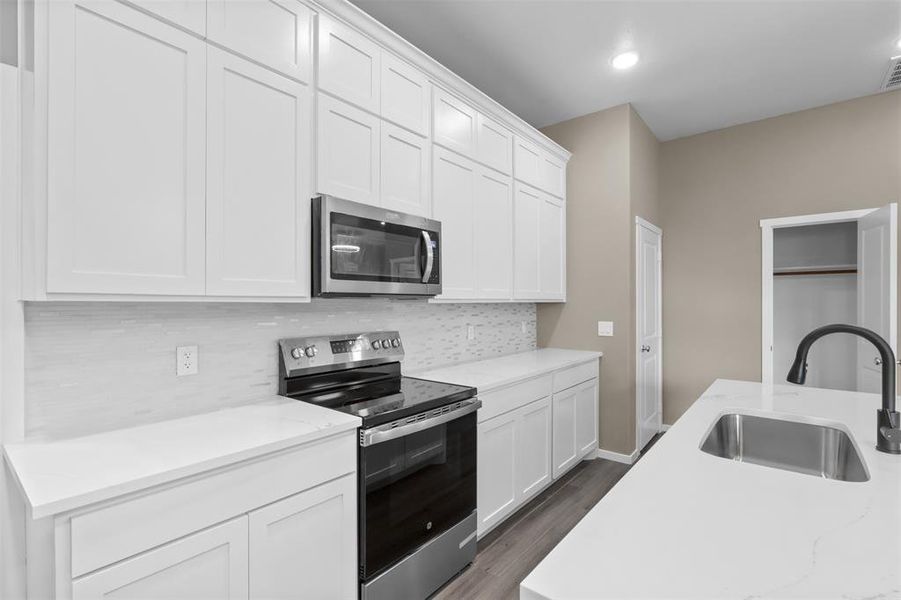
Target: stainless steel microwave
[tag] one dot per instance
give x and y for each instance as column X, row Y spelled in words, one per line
column 361, row 250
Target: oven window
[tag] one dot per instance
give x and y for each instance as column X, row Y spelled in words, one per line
column 365, row 249
column 414, row 488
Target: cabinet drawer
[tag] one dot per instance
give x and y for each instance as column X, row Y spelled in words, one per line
column 501, row 401
column 118, row 531
column 575, row 375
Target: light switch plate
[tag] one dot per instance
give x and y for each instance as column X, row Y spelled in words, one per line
column 470, row 332
column 185, row 360
column 605, row 328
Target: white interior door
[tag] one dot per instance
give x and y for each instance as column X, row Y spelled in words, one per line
column 648, row 392
column 877, row 289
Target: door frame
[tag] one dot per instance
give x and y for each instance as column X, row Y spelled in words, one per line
column 767, row 226
column 643, row 223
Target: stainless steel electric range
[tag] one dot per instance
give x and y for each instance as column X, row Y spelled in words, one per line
column 416, row 458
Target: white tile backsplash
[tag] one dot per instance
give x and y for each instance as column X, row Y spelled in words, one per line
column 95, row 366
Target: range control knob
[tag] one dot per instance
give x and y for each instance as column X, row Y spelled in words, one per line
column 395, row 343
column 376, row 345
column 296, row 353
column 386, row 344
column 310, row 351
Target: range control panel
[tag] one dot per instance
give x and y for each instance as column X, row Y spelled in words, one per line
column 299, row 354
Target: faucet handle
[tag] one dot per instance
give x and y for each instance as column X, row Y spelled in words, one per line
column 888, row 430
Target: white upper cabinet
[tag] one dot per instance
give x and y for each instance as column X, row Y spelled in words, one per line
column 454, row 184
column 552, row 246
column 494, row 144
column 210, row 564
column 405, row 172
column 305, row 545
column 527, row 213
column 454, row 123
column 189, row 14
column 126, row 121
column 552, row 175
column 405, row 95
column 275, row 33
column 349, row 64
column 348, row 144
column 493, row 235
column 258, row 180
column 527, row 162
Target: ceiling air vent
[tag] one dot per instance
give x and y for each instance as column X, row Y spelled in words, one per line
column 893, row 75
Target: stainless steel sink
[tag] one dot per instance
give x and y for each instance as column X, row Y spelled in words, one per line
column 800, row 447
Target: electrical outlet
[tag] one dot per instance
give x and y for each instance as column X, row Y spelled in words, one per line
column 470, row 332
column 605, row 328
column 185, row 360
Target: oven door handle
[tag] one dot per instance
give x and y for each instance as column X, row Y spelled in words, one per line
column 391, row 431
column 429, row 256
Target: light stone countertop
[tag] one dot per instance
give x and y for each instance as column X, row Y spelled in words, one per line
column 493, row 373
column 685, row 524
column 59, row 476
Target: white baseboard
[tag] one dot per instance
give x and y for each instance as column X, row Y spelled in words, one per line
column 617, row 457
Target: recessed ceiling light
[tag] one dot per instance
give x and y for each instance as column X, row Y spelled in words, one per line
column 625, row 60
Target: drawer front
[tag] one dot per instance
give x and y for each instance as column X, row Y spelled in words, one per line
column 510, row 398
column 118, row 531
column 575, row 375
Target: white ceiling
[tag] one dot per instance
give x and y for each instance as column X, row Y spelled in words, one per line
column 704, row 64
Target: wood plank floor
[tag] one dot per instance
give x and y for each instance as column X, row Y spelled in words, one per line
column 510, row 552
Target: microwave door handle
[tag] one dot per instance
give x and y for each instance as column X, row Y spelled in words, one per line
column 429, row 257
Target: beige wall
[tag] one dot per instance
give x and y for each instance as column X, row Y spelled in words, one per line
column 715, row 188
column 610, row 178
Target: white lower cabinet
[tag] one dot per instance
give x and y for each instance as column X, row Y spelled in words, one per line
column 529, row 436
column 209, row 564
column 305, row 546
column 496, row 470
column 514, row 460
column 575, row 425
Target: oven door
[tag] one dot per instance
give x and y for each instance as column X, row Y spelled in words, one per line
column 417, row 480
column 364, row 250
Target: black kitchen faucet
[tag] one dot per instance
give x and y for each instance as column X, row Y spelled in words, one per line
column 888, row 422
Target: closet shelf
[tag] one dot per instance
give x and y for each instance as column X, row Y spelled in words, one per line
column 818, row 270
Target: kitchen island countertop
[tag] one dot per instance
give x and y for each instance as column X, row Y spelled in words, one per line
column 685, row 524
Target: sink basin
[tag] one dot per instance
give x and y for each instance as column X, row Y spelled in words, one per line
column 807, row 448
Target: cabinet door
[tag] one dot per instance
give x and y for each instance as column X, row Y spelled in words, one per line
column 564, row 416
column 258, row 181
column 587, row 417
column 493, row 229
column 405, row 178
column 305, row 546
column 494, row 143
column 534, row 443
column 553, row 175
column 496, row 470
column 454, row 184
column 454, row 123
column 206, row 565
column 527, row 162
column 347, row 151
column 405, row 95
column 189, row 14
column 526, row 242
column 551, row 265
column 348, row 64
column 126, row 122
column 276, row 33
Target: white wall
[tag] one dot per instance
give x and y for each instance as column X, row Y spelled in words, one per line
column 97, row 366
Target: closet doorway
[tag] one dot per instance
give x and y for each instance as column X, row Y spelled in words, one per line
column 830, row 268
